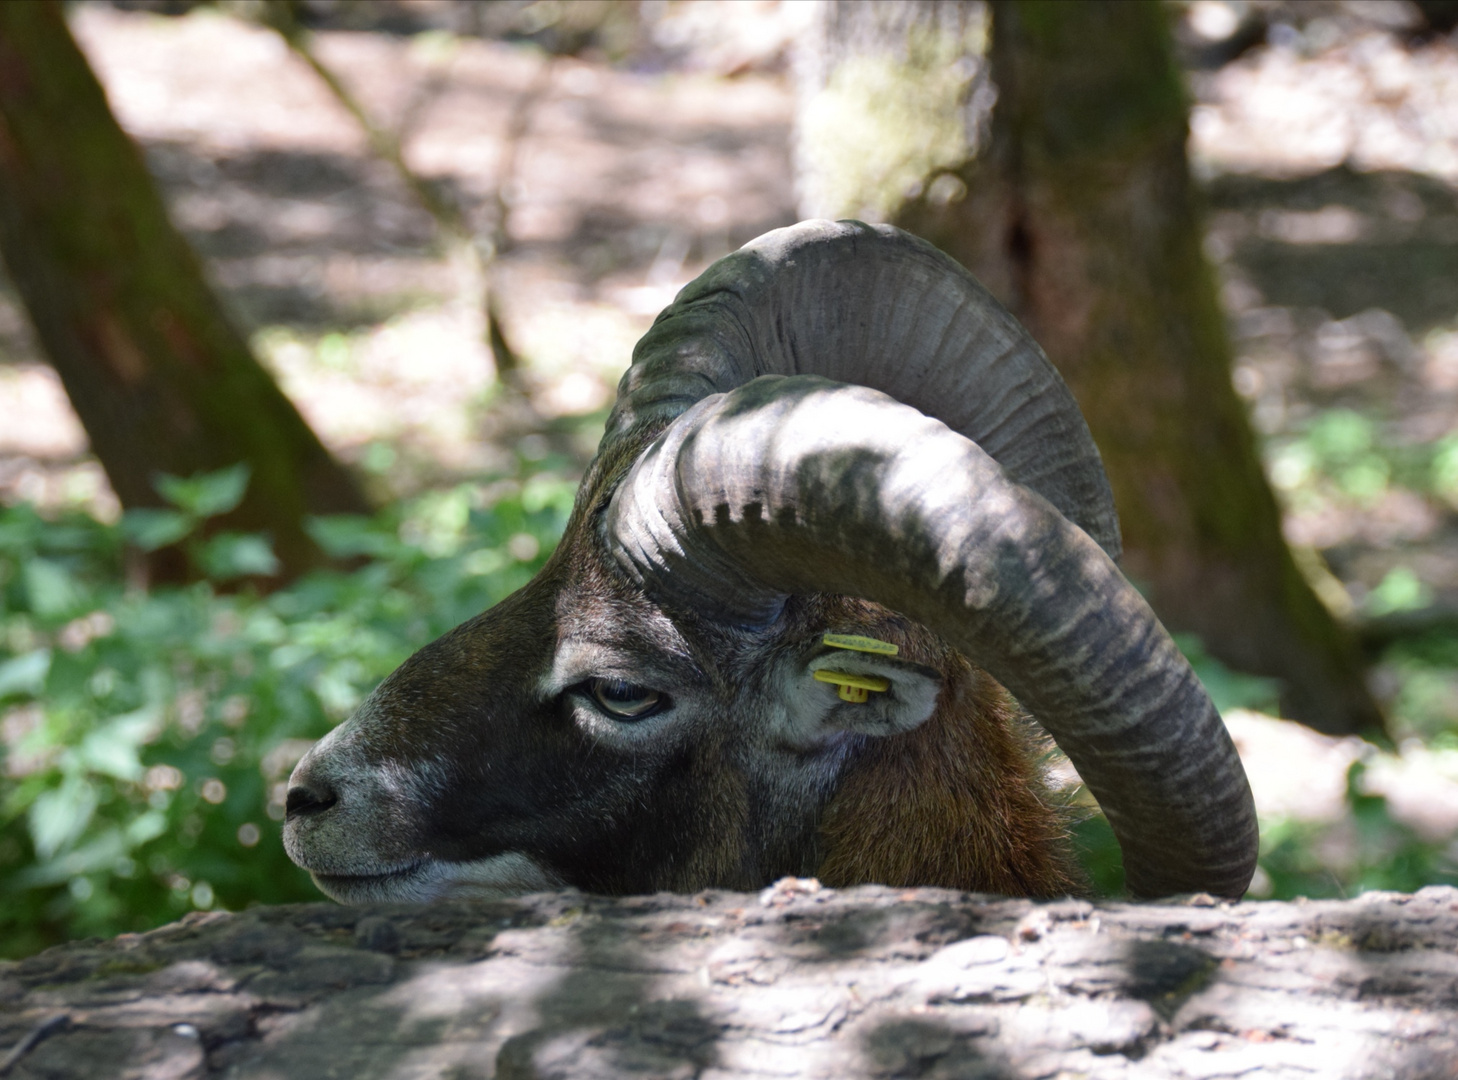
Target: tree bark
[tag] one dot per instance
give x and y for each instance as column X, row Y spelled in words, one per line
column 796, row 981
column 1082, row 218
column 161, row 379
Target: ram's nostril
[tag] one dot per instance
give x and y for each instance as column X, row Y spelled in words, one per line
column 306, row 799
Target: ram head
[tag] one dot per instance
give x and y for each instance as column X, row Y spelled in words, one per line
column 833, row 431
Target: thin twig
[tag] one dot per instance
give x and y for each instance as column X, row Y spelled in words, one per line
column 507, row 363
column 44, row 1030
column 282, row 16
column 521, row 118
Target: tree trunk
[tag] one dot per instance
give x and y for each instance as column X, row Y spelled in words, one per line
column 796, row 981
column 1081, row 216
column 160, row 378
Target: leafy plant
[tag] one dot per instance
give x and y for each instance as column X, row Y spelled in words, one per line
column 1423, row 669
column 1366, row 850
column 221, row 556
column 1341, row 458
column 145, row 738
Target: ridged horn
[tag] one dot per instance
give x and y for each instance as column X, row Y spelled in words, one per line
column 801, row 485
column 874, row 306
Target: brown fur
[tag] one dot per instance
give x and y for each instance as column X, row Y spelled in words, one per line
column 960, row 801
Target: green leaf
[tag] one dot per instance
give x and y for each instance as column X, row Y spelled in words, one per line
column 51, row 589
column 1400, row 590
column 1341, row 435
column 206, row 495
column 114, row 748
column 231, row 555
column 146, row 828
column 1445, row 469
column 101, row 853
column 543, row 492
column 59, row 816
column 1228, row 689
column 1098, row 850
column 344, row 536
column 153, row 529
column 25, row 674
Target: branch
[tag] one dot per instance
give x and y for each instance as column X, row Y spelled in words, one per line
column 282, row 16
column 796, row 981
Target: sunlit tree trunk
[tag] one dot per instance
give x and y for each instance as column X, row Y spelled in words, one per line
column 1081, row 216
column 161, row 379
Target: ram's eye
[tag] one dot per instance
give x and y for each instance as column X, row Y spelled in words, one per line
column 626, row 700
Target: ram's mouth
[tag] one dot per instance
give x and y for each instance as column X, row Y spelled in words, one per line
column 411, row 882
column 509, row 874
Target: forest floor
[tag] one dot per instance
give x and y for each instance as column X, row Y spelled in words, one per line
column 1330, row 159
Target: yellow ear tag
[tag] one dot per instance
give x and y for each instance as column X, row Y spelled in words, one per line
column 856, row 687
column 853, row 687
column 860, row 644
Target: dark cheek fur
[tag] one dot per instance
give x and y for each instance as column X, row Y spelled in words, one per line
column 672, row 822
column 958, row 802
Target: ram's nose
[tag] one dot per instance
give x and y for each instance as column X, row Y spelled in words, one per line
column 308, row 796
column 316, row 784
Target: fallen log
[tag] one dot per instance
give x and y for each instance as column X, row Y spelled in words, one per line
column 796, row 981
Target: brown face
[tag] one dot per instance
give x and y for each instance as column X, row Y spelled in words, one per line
column 574, row 735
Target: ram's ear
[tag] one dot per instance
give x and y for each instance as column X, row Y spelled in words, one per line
column 813, row 710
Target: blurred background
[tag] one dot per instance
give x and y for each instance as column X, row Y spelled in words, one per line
column 438, row 226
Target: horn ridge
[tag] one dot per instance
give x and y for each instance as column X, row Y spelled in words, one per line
column 878, row 307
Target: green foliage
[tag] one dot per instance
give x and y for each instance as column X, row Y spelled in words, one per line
column 145, row 738
column 1424, row 669
column 1342, row 464
column 1098, row 851
column 1399, row 590
column 1366, row 850
column 1228, row 689
column 206, row 494
column 1444, row 470
column 1342, row 461
column 222, row 556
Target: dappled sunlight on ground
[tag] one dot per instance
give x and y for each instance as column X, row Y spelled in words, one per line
column 623, row 187
column 1331, row 158
column 1311, row 104
column 1300, row 779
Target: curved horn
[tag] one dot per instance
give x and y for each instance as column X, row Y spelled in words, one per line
column 800, row 485
column 797, row 485
column 907, row 320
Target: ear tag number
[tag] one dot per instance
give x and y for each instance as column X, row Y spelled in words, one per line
column 856, row 688
column 853, row 687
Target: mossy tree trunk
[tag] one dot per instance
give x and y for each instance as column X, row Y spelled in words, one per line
column 1080, row 214
column 161, row 379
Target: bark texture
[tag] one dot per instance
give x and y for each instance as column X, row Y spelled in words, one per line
column 1081, row 216
column 796, row 981
column 161, row 379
